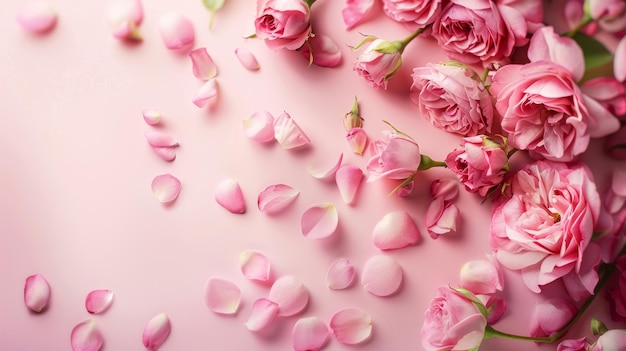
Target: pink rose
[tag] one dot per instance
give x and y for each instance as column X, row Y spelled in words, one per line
column 283, row 23
column 418, row 12
column 573, row 345
column 612, row 340
column 550, row 316
column 546, row 223
column 452, row 98
column 616, row 294
column 610, row 93
column 452, row 322
column 379, row 62
column 610, row 14
column 395, row 157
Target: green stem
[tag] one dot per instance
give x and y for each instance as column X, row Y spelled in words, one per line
column 309, row 2
column 428, row 163
column 483, row 77
column 586, row 20
column 493, row 333
column 411, row 36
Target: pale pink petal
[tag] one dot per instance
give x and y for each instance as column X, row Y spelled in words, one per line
column 206, row 93
column 125, row 17
column 202, row 64
column 36, row 292
column 247, row 59
column 156, row 332
column 86, row 336
column 340, row 274
column 447, row 188
column 480, row 277
column 176, row 31
column 37, row 16
column 396, row 230
column 276, row 197
column 151, row 117
column 323, row 50
column 309, row 334
column 382, row 275
column 263, row 314
column 166, row 188
column 167, row 153
column 357, row 139
column 351, row 326
column 348, row 179
column 254, row 266
column 159, row 139
column 319, row 221
column 290, row 295
column 259, row 126
column 98, row 301
column 619, row 61
column 354, row 11
column 326, row 174
column 222, row 296
column 545, row 44
column 287, row 132
column 229, row 195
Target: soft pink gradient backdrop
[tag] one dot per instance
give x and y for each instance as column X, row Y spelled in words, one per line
column 76, row 205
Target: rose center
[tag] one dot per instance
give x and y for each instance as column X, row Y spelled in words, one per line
column 556, row 217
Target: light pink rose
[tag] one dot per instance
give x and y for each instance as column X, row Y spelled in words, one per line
column 612, row 340
column 581, row 283
column 452, row 98
column 418, row 12
column 283, row 23
column 610, row 14
column 543, row 227
column 573, row 345
column 452, row 322
column 550, row 316
column 616, row 293
column 376, row 66
column 395, row 157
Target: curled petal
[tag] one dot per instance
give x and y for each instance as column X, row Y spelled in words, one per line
column 259, row 127
column 288, row 134
column 254, row 266
column 406, row 190
column 351, row 326
column 229, row 195
column 550, row 316
column 276, row 197
column 37, row 17
column 98, row 301
column 202, row 64
column 547, row 45
column 86, row 336
column 323, row 50
column 309, row 334
column 446, row 188
column 441, row 217
column 348, row 179
column 264, row 312
column 396, row 230
column 355, row 11
column 619, row 61
column 357, row 139
column 166, row 153
column 222, row 296
column 247, row 59
column 158, row 139
column 36, row 292
column 327, row 174
column 151, row 117
column 340, row 274
column 290, row 295
column 125, row 17
column 156, row 332
column 176, row 31
column 319, row 221
column 166, row 188
column 382, row 275
column 206, row 93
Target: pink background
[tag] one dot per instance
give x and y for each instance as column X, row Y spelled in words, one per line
column 76, row 204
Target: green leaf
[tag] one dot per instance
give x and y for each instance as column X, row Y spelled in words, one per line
column 597, row 327
column 595, row 53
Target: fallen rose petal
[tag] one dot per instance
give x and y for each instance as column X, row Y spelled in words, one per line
column 441, row 217
column 309, row 334
column 36, row 292
column 229, row 195
column 351, row 326
column 323, row 50
column 355, row 11
column 125, row 17
column 480, row 277
column 98, row 301
column 381, row 276
column 247, row 59
column 202, row 64
column 446, row 188
column 326, row 174
column 156, row 332
column 206, row 93
column 159, row 139
column 263, row 314
column 166, row 188
column 254, row 266
column 222, row 296
column 37, row 17
column 340, row 274
column 357, row 139
column 276, row 197
column 348, row 179
column 166, row 153
column 619, row 61
column 86, row 336
column 176, row 31
column 259, row 126
column 395, row 230
column 319, row 221
column 151, row 117
column 406, row 190
column 290, row 295
column 287, row 132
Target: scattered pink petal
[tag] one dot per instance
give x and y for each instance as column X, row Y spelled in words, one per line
column 351, row 326
column 309, row 334
column 327, row 174
column 202, row 64
column 276, row 197
column 355, row 11
column 159, row 139
column 156, row 332
column 323, row 50
column 619, row 61
column 447, row 188
column 254, row 266
column 86, row 336
column 405, row 191
column 229, row 195
column 441, row 217
column 167, row 153
column 166, row 188
column 207, row 92
column 287, row 132
column 396, row 230
column 263, row 314
column 176, row 31
column 357, row 139
column 382, row 275
column 348, row 179
column 36, row 292
column 340, row 274
column 319, row 221
column 481, row 277
column 290, row 295
column 37, row 17
column 247, row 59
column 125, row 17
column 222, row 296
column 98, row 301
column 151, row 117
column 259, row 127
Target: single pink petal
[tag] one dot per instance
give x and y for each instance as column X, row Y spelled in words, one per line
column 151, row 117
column 351, row 326
column 319, row 221
column 166, row 188
column 287, row 132
column 229, row 195
column 86, row 336
column 395, row 230
column 37, row 17
column 348, row 179
column 357, row 139
column 326, row 174
column 309, row 334
column 340, row 274
column 206, row 93
column 167, row 153
column 222, row 296
column 355, row 11
column 382, row 275
column 125, row 17
column 176, row 31
column 263, row 314
column 156, row 332
column 480, row 277
column 98, row 301
column 36, row 292
column 276, row 197
column 202, row 64
column 247, row 59
column 254, row 266
column 259, row 126
column 406, row 190
column 323, row 50
column 159, row 139
column 619, row 61
column 290, row 295
column 447, row 188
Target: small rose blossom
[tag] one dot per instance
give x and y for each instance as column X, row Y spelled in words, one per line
column 550, row 316
column 379, row 62
column 395, row 157
column 283, row 23
column 573, row 345
column 415, row 12
column 612, row 340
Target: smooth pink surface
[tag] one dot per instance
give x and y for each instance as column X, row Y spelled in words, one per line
column 76, row 204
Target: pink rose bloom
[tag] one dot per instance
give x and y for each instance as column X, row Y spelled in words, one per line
column 480, row 164
column 612, row 340
column 378, row 67
column 610, row 93
column 283, row 23
column 452, row 322
column 550, row 316
column 395, row 157
column 544, row 227
column 573, row 345
column 452, row 98
column 418, row 12
column 616, row 294
column 610, row 14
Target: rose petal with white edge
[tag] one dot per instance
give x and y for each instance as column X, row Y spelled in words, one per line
column 351, row 326
column 166, row 188
column 355, row 11
column 151, row 117
column 264, row 311
column 167, row 153
column 324, row 51
column 254, row 266
column 156, row 332
column 288, row 134
column 619, row 61
column 326, row 174
column 203, row 65
column 86, row 336
column 276, row 197
column 357, row 139
column 36, row 293
column 348, row 179
column 340, row 274
column 125, row 17
column 222, row 296
column 247, row 59
column 206, row 93
column 309, row 334
column 480, row 277
column 176, row 31
column 259, row 126
column 381, row 276
column 98, row 301
column 159, row 139
column 37, row 17
column 395, row 231
column 229, row 195
column 320, row 221
column 290, row 295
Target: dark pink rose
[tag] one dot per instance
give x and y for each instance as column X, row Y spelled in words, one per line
column 378, row 62
column 418, row 12
column 283, row 23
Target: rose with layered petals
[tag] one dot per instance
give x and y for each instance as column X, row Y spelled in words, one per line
column 418, row 12
column 283, row 23
column 379, row 61
column 395, row 157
